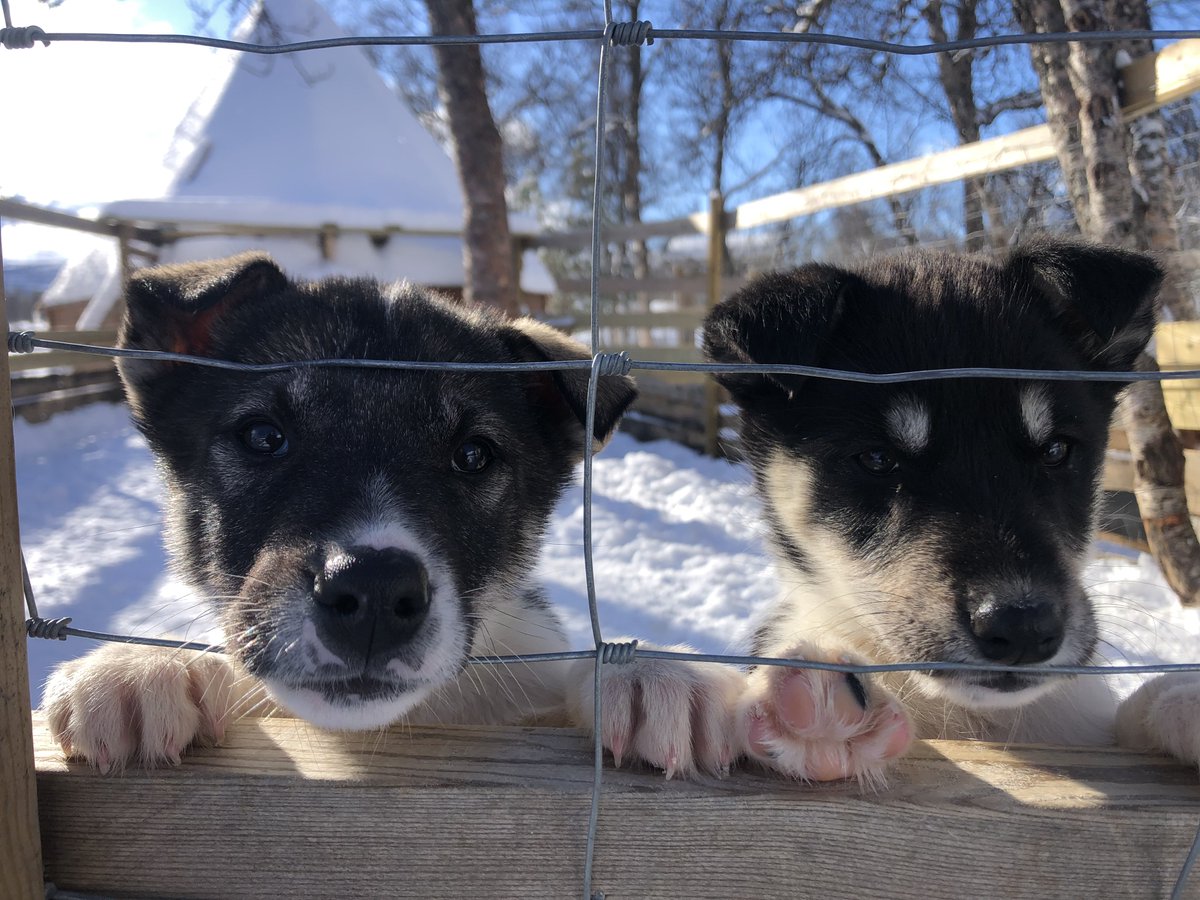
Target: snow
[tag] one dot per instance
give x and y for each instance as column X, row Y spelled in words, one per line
column 299, row 140
column 678, row 550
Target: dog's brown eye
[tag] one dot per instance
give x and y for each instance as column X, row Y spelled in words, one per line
column 265, row 438
column 878, row 462
column 1054, row 453
column 472, row 456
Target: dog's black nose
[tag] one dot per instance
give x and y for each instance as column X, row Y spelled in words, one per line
column 370, row 601
column 1017, row 633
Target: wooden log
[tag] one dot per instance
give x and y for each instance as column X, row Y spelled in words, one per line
column 20, row 851
column 285, row 810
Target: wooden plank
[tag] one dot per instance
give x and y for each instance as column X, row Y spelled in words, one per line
column 1156, row 79
column 1118, row 474
column 662, row 284
column 1159, row 79
column 20, row 849
column 1177, row 346
column 27, row 212
column 1151, row 82
column 683, row 318
column 284, row 810
column 66, row 359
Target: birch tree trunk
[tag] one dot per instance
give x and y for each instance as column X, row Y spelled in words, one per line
column 1062, row 107
column 1155, row 205
column 488, row 258
column 1104, row 207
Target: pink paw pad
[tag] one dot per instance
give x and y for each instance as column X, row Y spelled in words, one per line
column 823, row 726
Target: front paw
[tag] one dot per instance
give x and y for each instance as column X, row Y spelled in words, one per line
column 1163, row 714
column 123, row 704
column 821, row 725
column 673, row 714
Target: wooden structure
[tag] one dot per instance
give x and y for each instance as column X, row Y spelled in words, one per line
column 284, row 810
column 20, row 850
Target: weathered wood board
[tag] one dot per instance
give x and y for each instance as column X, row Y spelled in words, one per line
column 284, row 810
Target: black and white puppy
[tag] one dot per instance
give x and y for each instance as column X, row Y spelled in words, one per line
column 362, row 531
column 918, row 522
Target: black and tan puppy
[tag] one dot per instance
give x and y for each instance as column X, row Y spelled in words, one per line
column 927, row 521
column 361, row 531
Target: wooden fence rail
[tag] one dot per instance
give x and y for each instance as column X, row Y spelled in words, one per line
column 284, row 810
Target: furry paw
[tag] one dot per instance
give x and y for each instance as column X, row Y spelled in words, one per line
column 819, row 725
column 125, row 704
column 1163, row 714
column 673, row 714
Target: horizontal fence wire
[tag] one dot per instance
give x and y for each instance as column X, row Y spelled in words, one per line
column 26, row 339
column 648, row 34
column 60, row 629
column 612, row 35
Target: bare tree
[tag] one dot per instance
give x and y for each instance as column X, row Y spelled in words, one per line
column 488, row 253
column 982, row 218
column 1082, row 99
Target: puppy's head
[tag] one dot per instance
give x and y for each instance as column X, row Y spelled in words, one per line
column 941, row 520
column 352, row 523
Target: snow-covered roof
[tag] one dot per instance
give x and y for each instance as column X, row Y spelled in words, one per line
column 317, row 130
column 80, row 278
column 305, row 139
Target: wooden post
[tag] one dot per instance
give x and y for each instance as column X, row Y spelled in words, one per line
column 716, row 246
column 20, row 845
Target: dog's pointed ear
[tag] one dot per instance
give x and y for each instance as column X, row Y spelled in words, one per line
column 562, row 395
column 1105, row 299
column 778, row 318
column 174, row 307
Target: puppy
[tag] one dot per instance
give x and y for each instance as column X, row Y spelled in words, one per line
column 918, row 522
column 361, row 531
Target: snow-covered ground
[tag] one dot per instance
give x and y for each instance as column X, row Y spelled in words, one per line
column 678, row 550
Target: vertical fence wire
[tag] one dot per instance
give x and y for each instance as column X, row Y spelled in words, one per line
column 589, row 444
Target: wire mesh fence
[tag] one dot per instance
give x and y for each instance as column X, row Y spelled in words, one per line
column 610, row 38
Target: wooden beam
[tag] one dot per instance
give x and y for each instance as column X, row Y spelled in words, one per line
column 27, row 212
column 680, row 318
column 20, row 850
column 1158, row 79
column 67, row 359
column 697, row 284
column 1151, row 82
column 285, row 810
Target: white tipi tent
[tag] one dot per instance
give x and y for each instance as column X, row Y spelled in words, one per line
column 308, row 141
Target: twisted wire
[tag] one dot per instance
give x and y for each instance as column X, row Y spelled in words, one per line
column 628, row 34
column 22, row 38
column 619, row 654
column 47, row 629
column 21, row 342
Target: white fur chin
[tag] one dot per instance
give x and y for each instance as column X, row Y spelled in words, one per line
column 312, row 707
column 974, row 697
